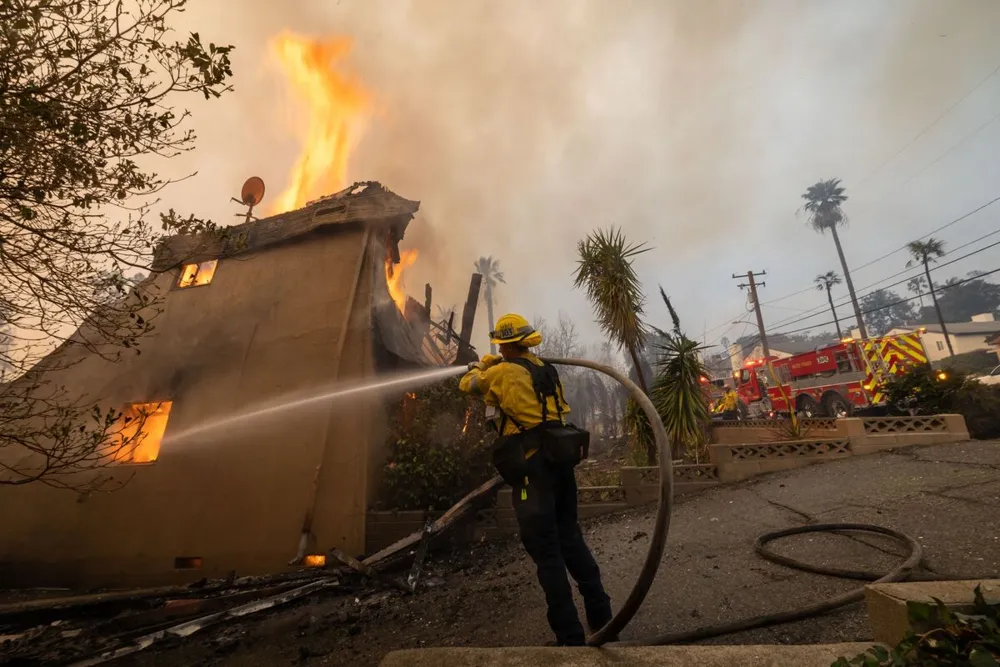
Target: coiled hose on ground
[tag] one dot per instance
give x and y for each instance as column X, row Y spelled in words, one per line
column 659, row 538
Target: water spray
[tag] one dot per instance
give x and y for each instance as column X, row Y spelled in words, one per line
column 340, row 390
column 661, row 526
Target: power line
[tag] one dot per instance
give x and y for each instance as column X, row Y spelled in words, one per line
column 782, row 298
column 934, row 231
column 927, row 128
column 889, row 254
column 894, row 303
column 953, row 147
column 817, row 310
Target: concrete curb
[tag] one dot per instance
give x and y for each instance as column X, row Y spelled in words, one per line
column 809, row 655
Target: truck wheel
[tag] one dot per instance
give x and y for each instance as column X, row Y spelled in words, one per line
column 837, row 406
column 807, row 407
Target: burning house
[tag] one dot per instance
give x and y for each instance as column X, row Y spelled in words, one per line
column 296, row 302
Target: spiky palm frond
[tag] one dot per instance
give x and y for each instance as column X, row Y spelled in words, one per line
column 825, row 281
column 917, row 285
column 673, row 313
column 489, row 268
column 677, row 388
column 604, row 270
column 925, row 252
column 823, row 204
column 639, row 433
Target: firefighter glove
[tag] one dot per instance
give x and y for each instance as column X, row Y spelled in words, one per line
column 491, row 360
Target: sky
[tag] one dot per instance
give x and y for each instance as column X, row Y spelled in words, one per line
column 522, row 126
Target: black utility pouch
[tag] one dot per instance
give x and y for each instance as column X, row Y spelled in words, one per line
column 565, row 444
column 508, row 459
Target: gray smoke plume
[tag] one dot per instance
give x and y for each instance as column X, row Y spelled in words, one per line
column 523, row 125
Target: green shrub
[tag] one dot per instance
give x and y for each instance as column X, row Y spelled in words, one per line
column 439, row 449
column 923, row 389
column 978, row 362
column 942, row 637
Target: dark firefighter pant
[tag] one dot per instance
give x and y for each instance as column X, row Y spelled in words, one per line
column 547, row 517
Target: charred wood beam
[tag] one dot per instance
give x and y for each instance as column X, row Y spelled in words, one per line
column 367, row 571
column 190, row 627
column 465, row 353
column 427, row 299
column 464, row 507
column 418, row 561
column 451, row 328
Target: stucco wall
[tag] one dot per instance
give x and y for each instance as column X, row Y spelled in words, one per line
column 268, row 324
column 963, row 343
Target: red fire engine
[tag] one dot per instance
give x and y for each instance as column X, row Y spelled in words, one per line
column 830, row 381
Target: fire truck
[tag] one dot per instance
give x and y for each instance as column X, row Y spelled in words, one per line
column 833, row 381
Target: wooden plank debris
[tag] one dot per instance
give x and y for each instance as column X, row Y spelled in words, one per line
column 367, row 571
column 418, row 562
column 190, row 627
column 462, row 508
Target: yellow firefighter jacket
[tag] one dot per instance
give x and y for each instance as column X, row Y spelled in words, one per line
column 728, row 402
column 508, row 388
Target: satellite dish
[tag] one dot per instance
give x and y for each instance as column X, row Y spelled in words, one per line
column 253, row 191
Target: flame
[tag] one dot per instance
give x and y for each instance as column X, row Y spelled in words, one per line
column 394, row 277
column 465, row 426
column 314, row 560
column 337, row 105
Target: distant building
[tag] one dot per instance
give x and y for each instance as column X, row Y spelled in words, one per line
column 965, row 336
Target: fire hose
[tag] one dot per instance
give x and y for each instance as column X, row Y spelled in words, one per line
column 659, row 538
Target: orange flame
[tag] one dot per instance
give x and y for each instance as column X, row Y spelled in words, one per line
column 394, row 277
column 465, row 426
column 337, row 106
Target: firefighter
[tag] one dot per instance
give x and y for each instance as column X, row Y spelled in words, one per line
column 535, row 453
column 729, row 405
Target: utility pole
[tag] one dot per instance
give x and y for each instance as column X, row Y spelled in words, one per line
column 752, row 284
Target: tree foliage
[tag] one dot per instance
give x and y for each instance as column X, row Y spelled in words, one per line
column 959, row 301
column 88, row 90
column 924, row 391
column 941, row 637
column 885, row 309
column 924, row 253
column 823, row 205
column 439, row 448
column 489, row 269
column 677, row 390
column 604, row 271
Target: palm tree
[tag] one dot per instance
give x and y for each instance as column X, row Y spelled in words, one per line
column 826, row 281
column 823, row 204
column 925, row 252
column 489, row 268
column 604, row 270
column 917, row 285
column 677, row 389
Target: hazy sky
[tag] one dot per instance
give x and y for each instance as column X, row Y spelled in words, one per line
column 523, row 125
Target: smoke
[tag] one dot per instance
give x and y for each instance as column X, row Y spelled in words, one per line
column 523, row 125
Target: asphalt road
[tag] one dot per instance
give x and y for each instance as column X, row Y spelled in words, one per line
column 946, row 496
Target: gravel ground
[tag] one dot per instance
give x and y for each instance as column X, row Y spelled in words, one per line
column 946, row 496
